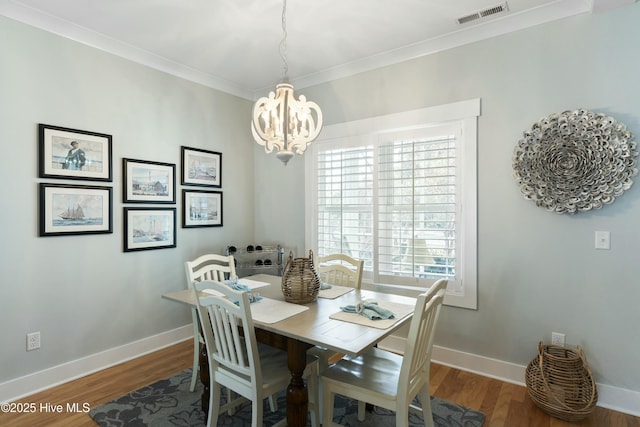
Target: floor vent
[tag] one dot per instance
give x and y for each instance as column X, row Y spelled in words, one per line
column 503, row 7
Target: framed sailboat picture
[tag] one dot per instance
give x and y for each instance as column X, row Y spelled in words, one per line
column 149, row 228
column 75, row 209
column 201, row 167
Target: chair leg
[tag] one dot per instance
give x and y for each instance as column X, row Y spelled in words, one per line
column 320, row 404
column 273, row 403
column 256, row 412
column 231, row 397
column 361, row 410
column 314, row 398
column 214, row 405
column 196, row 350
column 425, row 402
column 402, row 416
column 327, row 405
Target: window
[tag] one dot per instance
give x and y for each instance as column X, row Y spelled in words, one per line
column 399, row 192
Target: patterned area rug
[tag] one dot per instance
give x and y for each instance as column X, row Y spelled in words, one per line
column 169, row 403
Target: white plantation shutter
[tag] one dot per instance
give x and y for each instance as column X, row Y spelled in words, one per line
column 408, row 228
column 417, row 207
column 400, row 193
column 345, row 197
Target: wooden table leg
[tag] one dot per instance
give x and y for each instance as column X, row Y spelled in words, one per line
column 204, row 378
column 297, row 393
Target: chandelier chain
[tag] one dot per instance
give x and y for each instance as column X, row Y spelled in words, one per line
column 283, row 42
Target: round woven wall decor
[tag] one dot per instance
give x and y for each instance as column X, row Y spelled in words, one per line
column 575, row 161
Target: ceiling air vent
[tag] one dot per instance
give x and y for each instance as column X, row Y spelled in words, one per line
column 503, row 7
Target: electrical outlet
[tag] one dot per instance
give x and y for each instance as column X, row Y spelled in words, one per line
column 33, row 341
column 557, row 338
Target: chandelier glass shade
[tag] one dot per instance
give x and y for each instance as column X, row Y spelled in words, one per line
column 281, row 122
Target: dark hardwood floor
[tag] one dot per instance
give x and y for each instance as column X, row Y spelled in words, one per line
column 504, row 404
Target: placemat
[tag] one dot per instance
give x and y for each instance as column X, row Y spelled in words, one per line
column 269, row 310
column 334, row 291
column 400, row 311
column 252, row 284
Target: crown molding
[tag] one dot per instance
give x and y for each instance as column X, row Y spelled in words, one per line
column 72, row 31
column 559, row 9
column 502, row 25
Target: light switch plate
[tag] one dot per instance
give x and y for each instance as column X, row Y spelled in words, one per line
column 603, row 240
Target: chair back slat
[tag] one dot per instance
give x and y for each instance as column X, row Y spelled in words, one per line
column 226, row 332
column 229, row 327
column 417, row 354
column 215, row 274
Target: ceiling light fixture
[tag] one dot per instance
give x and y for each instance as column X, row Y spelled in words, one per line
column 281, row 122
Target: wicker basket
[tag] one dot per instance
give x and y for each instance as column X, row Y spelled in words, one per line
column 300, row 281
column 560, row 382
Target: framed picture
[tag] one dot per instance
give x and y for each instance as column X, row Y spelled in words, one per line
column 149, row 228
column 74, row 154
column 75, row 209
column 148, row 182
column 201, row 167
column 201, row 208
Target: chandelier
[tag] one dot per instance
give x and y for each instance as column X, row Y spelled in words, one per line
column 280, row 121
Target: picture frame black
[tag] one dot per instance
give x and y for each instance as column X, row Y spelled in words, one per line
column 75, row 209
column 147, row 228
column 146, row 181
column 201, row 208
column 201, row 167
column 66, row 153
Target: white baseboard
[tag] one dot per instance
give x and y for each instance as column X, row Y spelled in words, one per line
column 56, row 375
column 610, row 397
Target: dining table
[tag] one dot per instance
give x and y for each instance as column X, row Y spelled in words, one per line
column 295, row 328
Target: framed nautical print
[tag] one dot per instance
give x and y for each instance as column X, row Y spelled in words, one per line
column 149, row 228
column 74, row 154
column 148, row 182
column 201, row 208
column 201, row 167
column 75, row 209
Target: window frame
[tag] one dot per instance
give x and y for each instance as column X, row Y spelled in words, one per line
column 368, row 131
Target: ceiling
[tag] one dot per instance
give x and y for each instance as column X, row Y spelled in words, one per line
column 233, row 45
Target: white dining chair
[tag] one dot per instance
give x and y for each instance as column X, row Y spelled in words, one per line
column 340, row 270
column 206, row 267
column 387, row 379
column 236, row 361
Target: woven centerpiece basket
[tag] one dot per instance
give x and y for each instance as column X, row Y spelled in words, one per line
column 300, row 281
column 560, row 382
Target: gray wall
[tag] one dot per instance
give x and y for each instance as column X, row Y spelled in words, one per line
column 538, row 271
column 82, row 292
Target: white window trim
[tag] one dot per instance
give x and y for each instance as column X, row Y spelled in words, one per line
column 464, row 112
